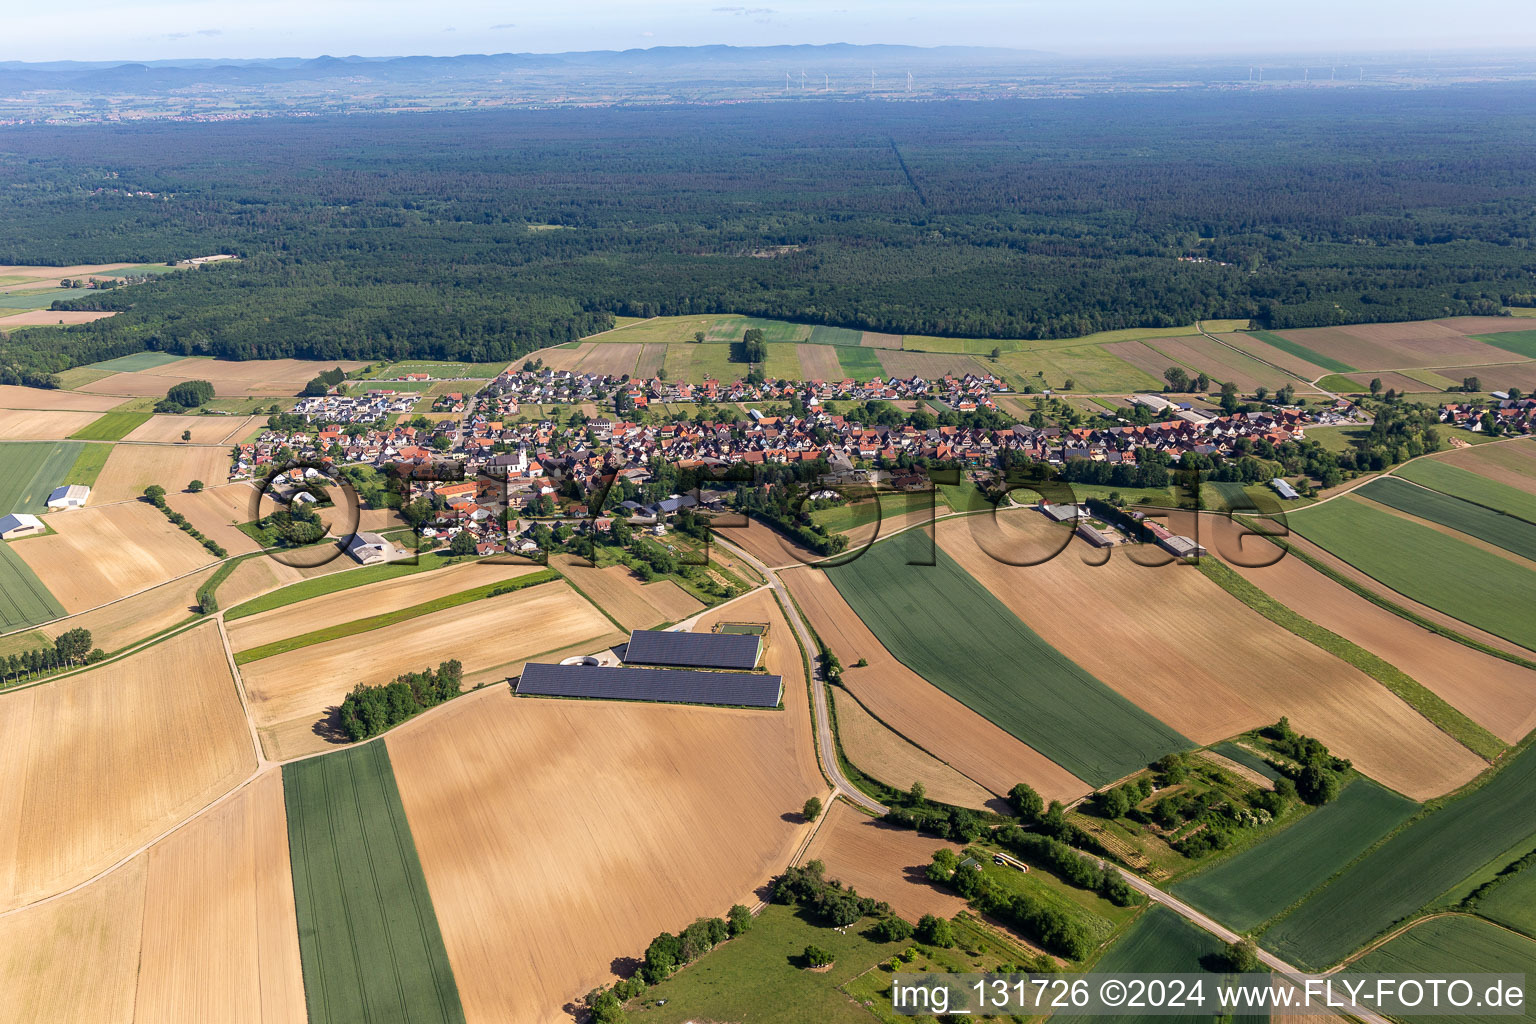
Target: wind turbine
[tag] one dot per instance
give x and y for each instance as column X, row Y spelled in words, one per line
column 1333, row 74
column 909, row 81
column 1306, row 74
column 786, row 82
column 802, row 79
column 826, row 85
column 871, row 79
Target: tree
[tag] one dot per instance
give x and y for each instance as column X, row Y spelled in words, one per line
column 1202, row 383
column 417, row 511
column 1114, row 803
column 891, row 929
column 1375, row 386
column 698, row 337
column 935, row 931
column 1470, row 384
column 1177, row 379
column 1069, row 384
column 812, row 809
column 997, row 353
column 918, row 793
column 155, row 493
column 605, row 1007
column 753, row 348
column 738, row 920
column 1027, row 804
column 186, row 435
column 1242, row 957
column 188, row 394
column 463, row 543
column 816, row 956
column 195, row 486
column 1229, row 398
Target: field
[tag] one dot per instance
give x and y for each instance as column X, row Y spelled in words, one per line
column 1495, row 528
column 897, row 762
column 14, row 397
column 291, row 695
column 1195, row 655
column 1512, row 463
column 1389, row 346
column 101, row 554
column 230, row 379
column 1470, row 584
column 765, row 544
column 918, row 711
column 1300, row 351
column 116, row 625
column 884, row 862
column 99, row 763
column 614, row 360
column 205, row 429
column 1455, row 944
column 1470, row 486
column 43, row 425
column 1521, row 343
column 942, row 624
column 630, row 799
column 819, row 362
column 30, row 470
column 216, row 511
column 887, row 508
column 1245, row 890
column 343, row 574
column 862, row 363
column 1513, row 902
column 132, row 467
column 36, row 317
column 369, row 941
column 135, row 362
column 1429, row 857
column 112, row 426
column 1495, row 694
column 475, row 371
column 620, row 593
column 1220, row 363
column 1091, row 367
column 1287, row 355
column 220, row 937
column 351, row 605
column 24, row 599
column 929, row 365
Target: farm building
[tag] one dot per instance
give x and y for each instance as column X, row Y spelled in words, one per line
column 20, row 524
column 659, row 685
column 69, row 496
column 1284, row 489
column 1062, row 513
column 693, row 650
column 1094, row 536
column 369, row 548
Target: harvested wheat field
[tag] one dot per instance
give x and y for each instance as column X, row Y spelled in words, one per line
column 881, row 753
column 1220, row 363
column 104, row 553
column 764, row 543
column 204, row 429
column 872, row 339
column 1260, row 349
column 1396, row 346
column 1512, row 463
column 216, row 510
column 292, row 695
column 13, row 397
column 620, row 593
column 651, row 358
column 919, row 711
column 613, row 358
column 130, row 384
column 559, row 357
column 1141, row 355
column 930, row 365
column 255, row 576
column 221, row 940
column 1485, row 324
column 75, row 958
column 42, row 425
column 122, row 623
column 98, row 763
column 819, row 362
column 53, row 317
column 230, row 379
column 579, row 800
column 1204, row 662
column 1495, row 694
column 885, row 526
column 363, row 602
column 132, row 467
column 883, row 862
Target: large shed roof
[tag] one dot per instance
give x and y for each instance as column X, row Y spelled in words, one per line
column 739, row 689
column 680, row 649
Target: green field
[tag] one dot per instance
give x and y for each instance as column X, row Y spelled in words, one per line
column 112, row 426
column 1471, row 486
column 1337, row 382
column 24, row 601
column 841, row 518
column 835, row 336
column 389, row 618
column 1463, row 581
column 88, row 464
column 1159, row 942
column 1485, row 524
column 783, row 363
column 757, row 976
column 368, row 937
column 80, row 376
column 331, row 583
column 1429, row 857
column 1091, row 368
column 950, row 630
column 30, row 470
column 1520, row 342
column 860, row 363
column 1245, row 890
column 1455, row 944
column 437, row 369
column 1512, row 901
column 135, row 362
column 1301, row 351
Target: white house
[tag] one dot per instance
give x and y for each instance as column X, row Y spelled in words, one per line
column 369, row 548
column 69, row 496
column 20, row 524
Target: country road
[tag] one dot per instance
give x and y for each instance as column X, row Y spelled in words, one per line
column 826, row 743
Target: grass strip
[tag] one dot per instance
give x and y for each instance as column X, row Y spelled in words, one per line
column 1415, row 694
column 336, row 582
column 88, row 464
column 373, row 622
column 112, row 426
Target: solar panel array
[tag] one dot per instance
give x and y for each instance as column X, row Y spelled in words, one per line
column 692, row 650
column 670, row 686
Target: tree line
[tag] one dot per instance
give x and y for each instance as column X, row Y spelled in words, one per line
column 70, row 648
column 370, row 710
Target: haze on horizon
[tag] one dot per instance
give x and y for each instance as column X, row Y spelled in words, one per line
column 108, row 30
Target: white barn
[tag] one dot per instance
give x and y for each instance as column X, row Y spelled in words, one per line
column 69, row 496
column 20, row 524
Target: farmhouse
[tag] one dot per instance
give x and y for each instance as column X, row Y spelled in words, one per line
column 69, row 496
column 20, row 524
column 369, row 548
column 693, row 650
column 668, row 686
column 1284, row 489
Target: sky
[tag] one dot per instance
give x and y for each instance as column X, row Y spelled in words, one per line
column 161, row 29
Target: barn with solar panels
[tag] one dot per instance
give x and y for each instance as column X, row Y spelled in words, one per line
column 676, row 649
column 662, row 685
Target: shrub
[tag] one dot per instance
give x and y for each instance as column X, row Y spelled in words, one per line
column 816, row 956
column 891, row 929
column 935, row 931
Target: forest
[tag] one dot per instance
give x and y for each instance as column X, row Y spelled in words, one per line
column 484, row 235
